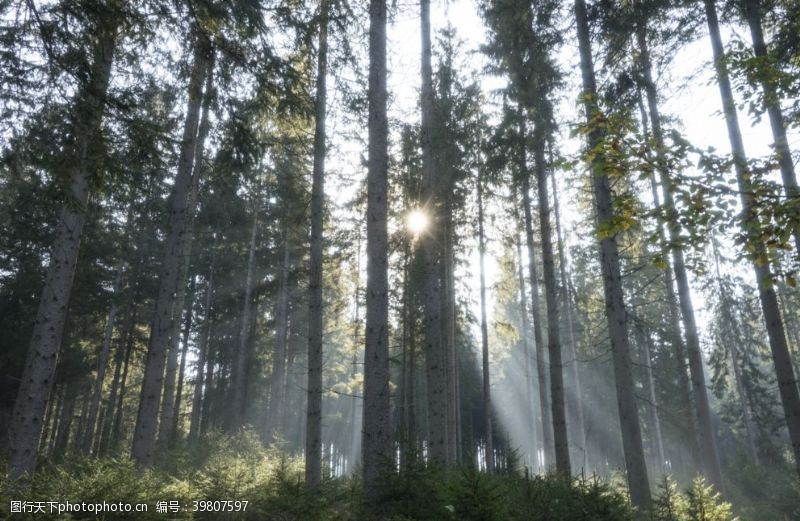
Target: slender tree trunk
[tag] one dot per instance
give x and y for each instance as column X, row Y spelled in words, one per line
column 772, row 102
column 277, row 388
column 487, row 387
column 559, row 415
column 203, row 346
column 102, row 363
column 708, row 444
column 77, row 440
column 50, row 421
column 36, row 381
column 168, row 402
column 56, row 419
column 612, row 282
column 209, row 390
column 354, row 428
column 787, row 383
column 576, row 397
column 675, row 334
column 728, row 337
column 239, row 405
column 541, row 361
column 170, row 282
column 449, row 340
column 435, row 363
column 315, row 300
column 187, row 330
column 168, row 398
column 65, row 420
column 526, row 350
column 376, row 444
column 115, row 434
column 655, row 419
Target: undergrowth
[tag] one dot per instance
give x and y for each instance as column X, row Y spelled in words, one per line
column 220, row 468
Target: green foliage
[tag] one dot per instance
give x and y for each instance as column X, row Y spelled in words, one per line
column 705, row 504
column 669, row 504
column 98, row 480
column 465, row 494
column 700, row 503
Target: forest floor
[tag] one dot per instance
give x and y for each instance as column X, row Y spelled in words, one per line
column 222, row 478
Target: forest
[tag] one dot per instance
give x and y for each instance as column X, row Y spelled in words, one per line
column 408, row 260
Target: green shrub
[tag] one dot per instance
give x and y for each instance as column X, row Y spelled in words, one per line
column 98, row 480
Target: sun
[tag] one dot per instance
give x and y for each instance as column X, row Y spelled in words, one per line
column 417, row 221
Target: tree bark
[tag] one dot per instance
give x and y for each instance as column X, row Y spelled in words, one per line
column 315, row 299
column 559, row 415
column 187, row 330
column 36, row 381
column 526, row 350
column 435, row 363
column 612, row 281
column 449, row 338
column 102, row 363
column 675, row 333
column 115, row 433
column 65, row 420
column 277, row 388
column 752, row 11
column 576, row 397
column 170, row 282
column 239, row 405
column 708, row 444
column 203, row 347
column 376, row 444
column 728, row 326
column 782, row 360
column 487, row 387
column 541, row 362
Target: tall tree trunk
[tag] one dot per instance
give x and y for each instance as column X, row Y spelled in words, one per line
column 730, row 345
column 59, row 396
column 576, row 396
column 170, row 282
column 559, row 415
column 209, row 390
column 115, row 433
column 787, row 384
column 449, row 340
column 772, row 102
column 187, row 330
column 102, row 363
column 243, row 356
column 487, row 387
column 168, row 400
column 36, row 381
column 526, row 350
column 376, row 444
column 643, row 343
column 277, row 387
column 655, row 419
column 203, row 347
column 541, row 361
column 708, row 444
column 435, row 363
column 612, row 282
column 65, row 419
column 675, row 334
column 354, row 429
column 315, row 300
column 50, row 420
